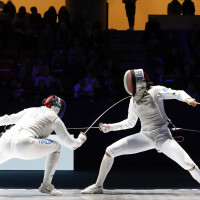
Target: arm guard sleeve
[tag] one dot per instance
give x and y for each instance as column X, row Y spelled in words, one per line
column 11, row 119
column 127, row 123
column 168, row 93
column 63, row 134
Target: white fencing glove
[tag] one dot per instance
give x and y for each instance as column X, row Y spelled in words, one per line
column 82, row 137
column 104, row 128
column 192, row 102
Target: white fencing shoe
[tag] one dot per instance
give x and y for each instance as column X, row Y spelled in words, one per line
column 49, row 189
column 93, row 189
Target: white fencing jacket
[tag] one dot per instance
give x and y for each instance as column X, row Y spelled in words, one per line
column 152, row 114
column 41, row 122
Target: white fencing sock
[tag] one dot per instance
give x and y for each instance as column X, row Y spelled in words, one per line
column 105, row 167
column 196, row 174
column 50, row 167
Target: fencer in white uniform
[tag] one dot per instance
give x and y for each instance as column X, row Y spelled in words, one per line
column 146, row 104
column 27, row 138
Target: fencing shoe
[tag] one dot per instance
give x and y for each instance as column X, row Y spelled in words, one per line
column 93, row 189
column 49, row 189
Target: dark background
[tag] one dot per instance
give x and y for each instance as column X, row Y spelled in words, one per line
column 61, row 54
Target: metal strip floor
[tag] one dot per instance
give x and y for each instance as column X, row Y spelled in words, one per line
column 118, row 194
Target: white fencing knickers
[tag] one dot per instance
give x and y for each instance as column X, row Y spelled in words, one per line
column 164, row 143
column 22, row 144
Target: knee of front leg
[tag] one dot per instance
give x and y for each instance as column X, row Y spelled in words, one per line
column 58, row 147
column 109, row 152
column 188, row 164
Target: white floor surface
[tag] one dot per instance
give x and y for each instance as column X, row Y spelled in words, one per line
column 118, row 194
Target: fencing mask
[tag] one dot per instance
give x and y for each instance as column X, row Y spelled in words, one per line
column 55, row 103
column 135, row 82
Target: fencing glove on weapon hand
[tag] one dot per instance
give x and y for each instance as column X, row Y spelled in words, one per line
column 105, row 128
column 191, row 102
column 82, row 137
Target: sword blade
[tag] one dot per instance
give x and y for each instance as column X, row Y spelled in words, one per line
column 82, row 128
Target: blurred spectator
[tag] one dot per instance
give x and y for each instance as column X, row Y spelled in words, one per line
column 63, row 15
column 47, row 37
column 109, row 86
column 153, row 43
column 130, row 12
column 192, row 89
column 41, row 90
column 58, row 59
column 9, row 8
column 40, row 71
column 50, row 17
column 21, row 20
column 88, row 30
column 46, row 77
column 78, row 26
column 193, row 36
column 59, row 85
column 19, row 93
column 76, row 54
column 39, row 67
column 182, row 41
column 2, row 4
column 171, row 53
column 83, row 91
column 174, row 8
column 152, row 27
column 90, row 79
column 35, row 20
column 188, row 7
column 63, row 34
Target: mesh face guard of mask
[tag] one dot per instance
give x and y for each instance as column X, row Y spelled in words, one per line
column 134, row 80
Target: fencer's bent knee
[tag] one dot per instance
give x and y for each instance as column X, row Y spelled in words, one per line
column 109, row 152
column 191, row 168
column 188, row 164
column 58, row 147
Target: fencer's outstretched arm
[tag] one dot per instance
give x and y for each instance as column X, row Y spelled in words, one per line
column 125, row 124
column 168, row 93
column 60, row 129
column 11, row 119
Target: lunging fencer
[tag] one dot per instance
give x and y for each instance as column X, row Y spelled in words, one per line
column 146, row 104
column 31, row 126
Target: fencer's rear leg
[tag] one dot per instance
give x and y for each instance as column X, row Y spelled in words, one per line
column 174, row 151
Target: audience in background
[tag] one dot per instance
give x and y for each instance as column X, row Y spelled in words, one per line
column 174, row 8
column 130, row 6
column 9, row 8
column 83, row 91
column 188, row 7
column 21, row 21
column 35, row 20
column 50, row 17
column 63, row 15
column 44, row 55
column 2, row 4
